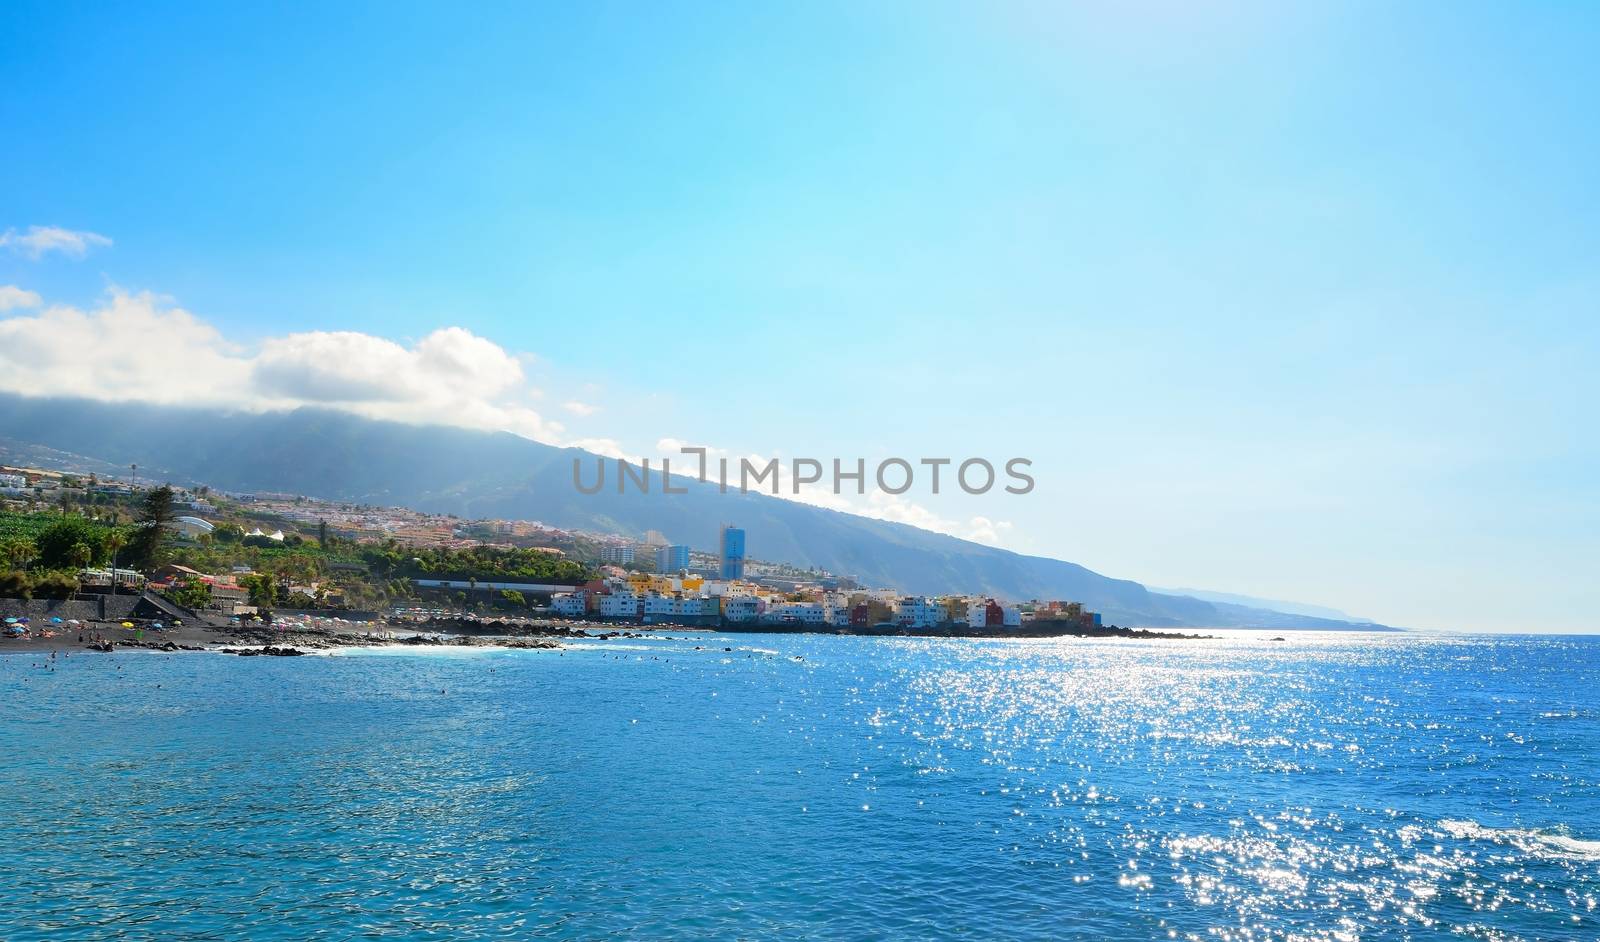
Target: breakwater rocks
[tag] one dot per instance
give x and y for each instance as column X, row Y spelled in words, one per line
column 160, row 645
column 269, row 651
column 106, row 645
column 301, row 641
column 499, row 627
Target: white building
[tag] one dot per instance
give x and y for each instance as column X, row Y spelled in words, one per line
column 806, row 613
column 916, row 611
column 659, row 606
column 105, row 577
column 620, row 604
column 191, row 528
column 741, row 608
column 663, row 607
column 567, row 605
column 978, row 614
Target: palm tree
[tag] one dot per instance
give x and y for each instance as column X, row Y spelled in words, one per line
column 19, row 552
column 114, row 541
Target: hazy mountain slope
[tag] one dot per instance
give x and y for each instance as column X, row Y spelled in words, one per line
column 1250, row 601
column 476, row 474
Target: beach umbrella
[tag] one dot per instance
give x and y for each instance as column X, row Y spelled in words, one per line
column 127, row 624
column 11, row 621
column 73, row 621
column 156, row 624
column 56, row 620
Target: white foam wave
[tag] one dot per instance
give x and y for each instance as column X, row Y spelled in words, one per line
column 1529, row 840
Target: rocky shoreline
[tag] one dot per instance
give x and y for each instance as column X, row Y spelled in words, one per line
column 274, row 642
column 290, row 639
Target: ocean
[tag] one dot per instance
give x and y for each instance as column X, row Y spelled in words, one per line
column 1331, row 786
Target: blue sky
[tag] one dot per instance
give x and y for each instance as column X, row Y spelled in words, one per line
column 1297, row 301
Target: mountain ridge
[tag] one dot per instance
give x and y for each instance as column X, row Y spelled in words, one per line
column 339, row 456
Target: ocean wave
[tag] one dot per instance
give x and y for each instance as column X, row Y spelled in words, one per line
column 1539, row 843
column 410, row 650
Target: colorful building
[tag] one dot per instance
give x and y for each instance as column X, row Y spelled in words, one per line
column 732, row 543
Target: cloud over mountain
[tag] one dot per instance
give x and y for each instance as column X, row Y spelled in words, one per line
column 141, row 347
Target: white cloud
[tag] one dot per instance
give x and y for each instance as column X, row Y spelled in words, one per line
column 608, row 447
column 39, row 241
column 984, row 530
column 673, row 446
column 133, row 346
column 580, row 408
column 142, row 347
column 13, row 297
column 897, row 508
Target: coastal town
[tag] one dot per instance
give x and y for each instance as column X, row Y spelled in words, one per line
column 255, row 557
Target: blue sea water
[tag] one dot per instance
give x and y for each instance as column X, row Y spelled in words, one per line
column 1327, row 787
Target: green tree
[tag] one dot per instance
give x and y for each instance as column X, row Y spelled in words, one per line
column 156, row 514
column 55, row 585
column 263, row 593
column 19, row 552
column 81, row 555
column 15, row 585
column 115, row 541
column 193, row 594
column 59, row 542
